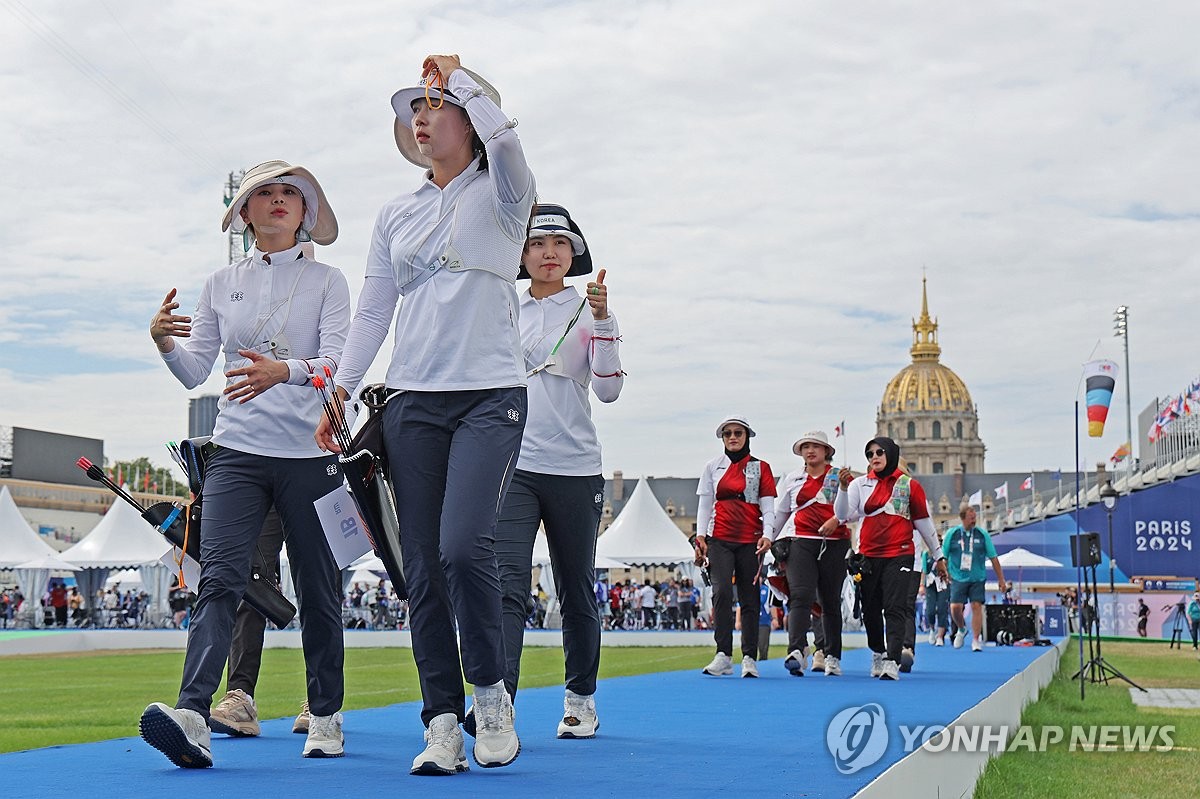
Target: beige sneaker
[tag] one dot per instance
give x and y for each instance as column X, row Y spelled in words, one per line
column 236, row 714
column 300, row 725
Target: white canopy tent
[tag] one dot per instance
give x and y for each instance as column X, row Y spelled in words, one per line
column 19, row 546
column 32, row 577
column 643, row 534
column 122, row 539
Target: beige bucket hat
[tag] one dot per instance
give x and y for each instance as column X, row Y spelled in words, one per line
column 402, row 104
column 319, row 219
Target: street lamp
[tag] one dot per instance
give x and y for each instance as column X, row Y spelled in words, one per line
column 1109, row 495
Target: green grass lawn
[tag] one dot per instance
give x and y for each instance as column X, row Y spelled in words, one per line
column 79, row 697
column 1060, row 772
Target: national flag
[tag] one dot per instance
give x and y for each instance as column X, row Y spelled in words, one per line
column 1028, row 484
column 839, row 430
column 1123, row 452
column 1002, row 491
column 976, row 498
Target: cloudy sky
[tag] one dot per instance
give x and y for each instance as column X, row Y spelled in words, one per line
column 765, row 183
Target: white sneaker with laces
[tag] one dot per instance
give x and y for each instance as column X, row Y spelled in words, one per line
column 579, row 716
column 876, row 664
column 236, row 714
column 444, row 752
column 749, row 667
column 891, row 670
column 496, row 742
column 976, row 644
column 932, row 635
column 819, row 660
column 300, row 725
column 182, row 735
column 833, row 666
column 324, row 736
column 959, row 637
column 795, row 661
column 939, row 642
column 721, row 664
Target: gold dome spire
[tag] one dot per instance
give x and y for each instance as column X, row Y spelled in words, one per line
column 925, row 346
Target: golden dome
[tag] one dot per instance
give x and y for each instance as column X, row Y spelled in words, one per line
column 926, row 384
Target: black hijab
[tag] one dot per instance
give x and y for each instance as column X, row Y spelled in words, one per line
column 893, row 455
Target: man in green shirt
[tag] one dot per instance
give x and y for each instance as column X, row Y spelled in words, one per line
column 967, row 548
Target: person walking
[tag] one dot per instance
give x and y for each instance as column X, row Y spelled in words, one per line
column 967, row 548
column 733, row 519
column 1193, row 615
column 456, row 379
column 937, row 599
column 277, row 316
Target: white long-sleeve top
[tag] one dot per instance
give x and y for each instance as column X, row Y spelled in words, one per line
column 246, row 304
column 706, row 506
column 850, row 506
column 458, row 331
column 560, row 436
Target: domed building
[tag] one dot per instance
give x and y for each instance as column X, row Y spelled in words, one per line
column 927, row 409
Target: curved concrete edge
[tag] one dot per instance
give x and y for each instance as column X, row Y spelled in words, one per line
column 924, row 773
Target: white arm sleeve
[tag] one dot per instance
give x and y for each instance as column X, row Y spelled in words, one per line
column 376, row 306
column 928, row 534
column 605, row 356
column 192, row 362
column 704, row 514
column 767, row 506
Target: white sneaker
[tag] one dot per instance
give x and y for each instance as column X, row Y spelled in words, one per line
column 976, row 644
column 795, row 661
column 876, row 664
column 236, row 714
column 907, row 657
column 324, row 736
column 300, row 725
column 579, row 716
column 749, row 667
column 891, row 670
column 181, row 735
column 833, row 667
column 933, row 635
column 939, row 642
column 721, row 664
column 959, row 637
column 444, row 752
column 819, row 660
column 496, row 742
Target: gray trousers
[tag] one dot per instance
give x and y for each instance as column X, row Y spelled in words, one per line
column 570, row 508
column 239, row 489
column 245, row 650
column 451, row 455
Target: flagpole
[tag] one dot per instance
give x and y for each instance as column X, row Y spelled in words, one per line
column 1078, row 569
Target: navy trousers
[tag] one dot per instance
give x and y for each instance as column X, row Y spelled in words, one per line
column 451, row 455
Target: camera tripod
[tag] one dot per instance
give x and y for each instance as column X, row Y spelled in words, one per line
column 1177, row 624
column 1096, row 669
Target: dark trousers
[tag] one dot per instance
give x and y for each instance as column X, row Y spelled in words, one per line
column 245, row 650
column 884, row 599
column 685, row 615
column 813, row 574
column 451, row 456
column 910, row 610
column 569, row 507
column 937, row 607
column 728, row 562
column 239, row 489
column 1195, row 624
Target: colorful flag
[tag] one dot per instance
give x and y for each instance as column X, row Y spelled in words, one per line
column 1100, row 379
column 839, row 430
column 1122, row 453
column 1028, row 484
column 976, row 498
column 1002, row 491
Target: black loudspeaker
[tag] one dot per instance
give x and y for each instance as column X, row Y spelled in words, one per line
column 1085, row 549
column 1008, row 623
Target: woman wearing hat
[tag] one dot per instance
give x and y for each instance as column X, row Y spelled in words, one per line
column 276, row 317
column 452, row 428
column 733, row 517
column 892, row 506
column 558, row 482
column 817, row 543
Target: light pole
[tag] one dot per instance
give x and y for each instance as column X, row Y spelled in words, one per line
column 1121, row 330
column 1109, row 495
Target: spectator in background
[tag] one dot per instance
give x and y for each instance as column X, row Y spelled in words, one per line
column 687, row 607
column 967, row 547
column 58, row 601
column 937, row 601
column 1143, row 617
column 1193, row 614
column 647, row 598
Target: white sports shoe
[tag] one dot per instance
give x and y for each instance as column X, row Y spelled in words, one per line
column 891, row 670
column 833, row 667
column 819, row 660
column 749, row 667
column 236, row 714
column 579, row 716
column 181, row 735
column 444, row 752
column 496, row 742
column 300, row 725
column 324, row 736
column 721, row 664
column 933, row 635
column 976, row 644
column 795, row 662
column 876, row 664
column 959, row 637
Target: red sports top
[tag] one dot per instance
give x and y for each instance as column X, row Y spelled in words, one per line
column 735, row 519
column 889, row 532
column 808, row 520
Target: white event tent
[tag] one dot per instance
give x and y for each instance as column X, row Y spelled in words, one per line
column 643, row 534
column 24, row 551
column 122, row 540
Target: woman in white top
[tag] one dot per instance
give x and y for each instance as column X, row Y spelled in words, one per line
column 453, row 428
column 570, row 346
column 275, row 317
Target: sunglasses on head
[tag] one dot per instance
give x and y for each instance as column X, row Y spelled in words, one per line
column 871, row 453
